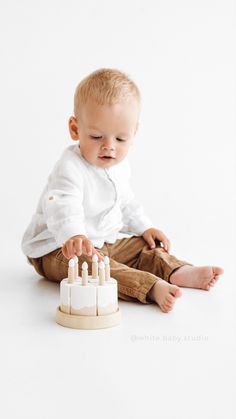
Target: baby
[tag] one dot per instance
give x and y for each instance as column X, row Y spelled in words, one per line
column 88, row 206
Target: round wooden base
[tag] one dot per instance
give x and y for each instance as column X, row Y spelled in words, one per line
column 88, row 322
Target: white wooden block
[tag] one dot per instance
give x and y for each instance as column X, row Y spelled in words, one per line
column 107, row 296
column 65, row 288
column 112, row 281
column 83, row 300
column 92, row 280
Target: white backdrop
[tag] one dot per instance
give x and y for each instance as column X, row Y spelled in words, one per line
column 182, row 56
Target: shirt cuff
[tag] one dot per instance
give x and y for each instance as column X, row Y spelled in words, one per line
column 67, row 231
column 140, row 225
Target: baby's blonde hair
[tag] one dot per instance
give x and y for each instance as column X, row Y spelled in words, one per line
column 106, row 86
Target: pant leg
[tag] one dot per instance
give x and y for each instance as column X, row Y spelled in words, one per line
column 37, row 264
column 133, row 284
column 135, row 252
column 159, row 262
column 127, row 250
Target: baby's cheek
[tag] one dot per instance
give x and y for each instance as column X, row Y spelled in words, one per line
column 124, row 151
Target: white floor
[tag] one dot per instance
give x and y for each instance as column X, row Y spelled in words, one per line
column 179, row 365
column 176, row 365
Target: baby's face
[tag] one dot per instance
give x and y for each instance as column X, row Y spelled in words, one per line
column 105, row 132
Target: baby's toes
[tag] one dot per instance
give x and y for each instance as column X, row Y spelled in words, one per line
column 217, row 271
column 167, row 304
column 170, row 299
column 175, row 291
column 166, row 308
column 212, row 282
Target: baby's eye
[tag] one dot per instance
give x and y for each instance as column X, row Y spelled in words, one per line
column 120, row 139
column 94, row 137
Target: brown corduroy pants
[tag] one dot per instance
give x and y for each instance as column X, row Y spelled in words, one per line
column 133, row 264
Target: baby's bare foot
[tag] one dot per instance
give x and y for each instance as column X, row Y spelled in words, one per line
column 164, row 294
column 203, row 277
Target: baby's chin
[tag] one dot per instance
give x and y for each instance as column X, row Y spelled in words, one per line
column 105, row 162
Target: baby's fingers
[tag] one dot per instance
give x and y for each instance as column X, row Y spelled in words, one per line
column 78, row 246
column 95, row 252
column 87, row 245
column 166, row 244
column 64, row 251
column 68, row 249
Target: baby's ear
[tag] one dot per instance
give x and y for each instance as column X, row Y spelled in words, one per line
column 73, row 128
column 136, row 129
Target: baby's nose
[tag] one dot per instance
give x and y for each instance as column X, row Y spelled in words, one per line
column 108, row 144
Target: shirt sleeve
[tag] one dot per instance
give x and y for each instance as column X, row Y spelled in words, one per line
column 134, row 218
column 63, row 203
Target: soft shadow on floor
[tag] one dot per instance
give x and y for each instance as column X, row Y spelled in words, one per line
column 44, row 285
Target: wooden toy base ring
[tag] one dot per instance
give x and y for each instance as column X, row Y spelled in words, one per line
column 88, row 322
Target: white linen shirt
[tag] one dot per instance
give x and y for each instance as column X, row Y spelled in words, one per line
column 80, row 198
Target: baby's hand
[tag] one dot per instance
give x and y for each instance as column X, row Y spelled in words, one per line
column 151, row 234
column 77, row 245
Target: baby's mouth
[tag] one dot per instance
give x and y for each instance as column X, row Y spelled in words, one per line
column 106, row 157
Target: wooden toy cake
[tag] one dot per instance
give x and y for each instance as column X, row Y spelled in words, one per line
column 90, row 301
